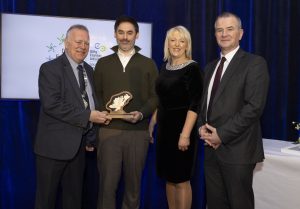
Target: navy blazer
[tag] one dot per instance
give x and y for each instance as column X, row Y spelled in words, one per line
column 63, row 118
column 237, row 107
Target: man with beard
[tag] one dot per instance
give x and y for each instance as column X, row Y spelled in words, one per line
column 123, row 144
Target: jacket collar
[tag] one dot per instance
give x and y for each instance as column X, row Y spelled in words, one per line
column 115, row 48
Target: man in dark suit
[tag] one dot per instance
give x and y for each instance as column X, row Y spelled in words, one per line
column 229, row 118
column 65, row 123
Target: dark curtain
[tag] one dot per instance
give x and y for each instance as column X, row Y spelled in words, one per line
column 271, row 29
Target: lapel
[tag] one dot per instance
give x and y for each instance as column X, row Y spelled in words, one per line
column 71, row 77
column 208, row 74
column 231, row 69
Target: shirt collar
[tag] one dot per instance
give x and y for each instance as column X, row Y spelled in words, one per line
column 72, row 62
column 120, row 53
column 230, row 55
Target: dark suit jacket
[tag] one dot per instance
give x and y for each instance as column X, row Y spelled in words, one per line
column 237, row 107
column 63, row 118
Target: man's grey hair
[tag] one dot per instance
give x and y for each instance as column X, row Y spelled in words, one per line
column 77, row 26
column 229, row 14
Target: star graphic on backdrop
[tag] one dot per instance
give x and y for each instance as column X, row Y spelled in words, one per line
column 49, row 58
column 61, row 39
column 51, row 47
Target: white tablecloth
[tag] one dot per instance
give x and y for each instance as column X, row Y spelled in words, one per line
column 276, row 181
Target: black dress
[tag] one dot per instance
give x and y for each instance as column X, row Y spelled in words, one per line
column 178, row 90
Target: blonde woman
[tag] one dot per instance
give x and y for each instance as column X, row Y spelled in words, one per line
column 179, row 88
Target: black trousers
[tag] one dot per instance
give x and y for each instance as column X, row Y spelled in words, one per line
column 228, row 186
column 52, row 173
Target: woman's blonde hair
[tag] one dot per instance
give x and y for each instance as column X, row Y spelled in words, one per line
column 185, row 34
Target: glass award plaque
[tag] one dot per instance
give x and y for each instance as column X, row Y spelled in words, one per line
column 116, row 104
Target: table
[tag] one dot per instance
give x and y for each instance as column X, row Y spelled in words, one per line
column 276, row 181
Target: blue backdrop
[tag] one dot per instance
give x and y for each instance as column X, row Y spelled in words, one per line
column 272, row 30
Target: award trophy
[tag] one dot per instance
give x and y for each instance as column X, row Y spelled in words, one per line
column 297, row 127
column 117, row 103
column 294, row 149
